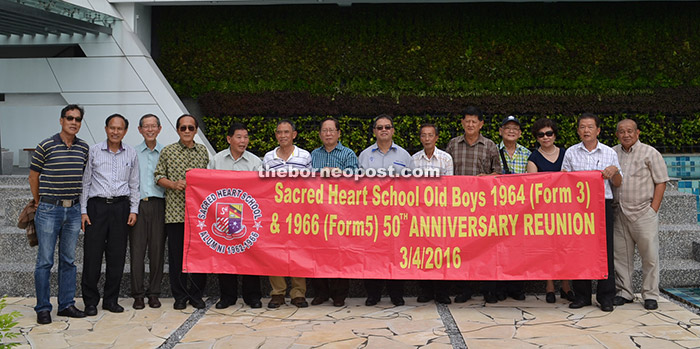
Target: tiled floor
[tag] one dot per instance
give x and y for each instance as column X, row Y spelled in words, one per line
column 509, row 324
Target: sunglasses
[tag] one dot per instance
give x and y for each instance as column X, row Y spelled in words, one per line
column 71, row 118
column 542, row 134
column 190, row 128
column 380, row 127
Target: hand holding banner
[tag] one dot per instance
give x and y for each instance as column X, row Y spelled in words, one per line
column 513, row 227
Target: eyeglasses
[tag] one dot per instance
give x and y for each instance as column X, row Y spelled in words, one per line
column 513, row 129
column 190, row 128
column 385, row 127
column 328, row 131
column 71, row 118
column 542, row 134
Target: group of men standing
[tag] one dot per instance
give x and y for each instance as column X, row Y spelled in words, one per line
column 112, row 190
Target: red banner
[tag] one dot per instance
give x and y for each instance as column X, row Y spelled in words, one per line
column 512, row 227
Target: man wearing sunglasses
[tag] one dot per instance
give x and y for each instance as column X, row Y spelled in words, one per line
column 174, row 162
column 385, row 154
column 109, row 205
column 474, row 155
column 55, row 179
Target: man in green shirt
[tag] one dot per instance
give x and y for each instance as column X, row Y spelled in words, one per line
column 174, row 162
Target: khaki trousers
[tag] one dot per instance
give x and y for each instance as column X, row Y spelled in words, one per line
column 279, row 286
column 644, row 232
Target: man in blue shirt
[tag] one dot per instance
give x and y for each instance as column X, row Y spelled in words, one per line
column 333, row 155
column 149, row 230
column 385, row 154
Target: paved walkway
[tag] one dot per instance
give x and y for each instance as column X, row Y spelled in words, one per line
column 532, row 323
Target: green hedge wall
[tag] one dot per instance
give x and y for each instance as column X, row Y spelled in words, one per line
column 431, row 49
column 667, row 134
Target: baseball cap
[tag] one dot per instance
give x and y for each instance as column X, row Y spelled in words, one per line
column 510, row 118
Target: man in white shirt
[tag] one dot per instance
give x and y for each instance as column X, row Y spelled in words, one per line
column 285, row 157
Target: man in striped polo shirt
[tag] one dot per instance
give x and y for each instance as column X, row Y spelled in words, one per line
column 55, row 179
column 284, row 158
column 333, row 155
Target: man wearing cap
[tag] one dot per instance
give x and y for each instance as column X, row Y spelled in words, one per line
column 473, row 155
column 513, row 160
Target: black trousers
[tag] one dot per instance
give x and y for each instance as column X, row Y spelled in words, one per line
column 178, row 279
column 434, row 288
column 334, row 288
column 148, row 234
column 606, row 287
column 250, row 287
column 108, row 236
column 374, row 288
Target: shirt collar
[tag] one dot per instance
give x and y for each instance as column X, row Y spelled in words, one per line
column 105, row 147
column 142, row 147
column 375, row 147
column 478, row 140
column 632, row 148
column 295, row 152
column 583, row 147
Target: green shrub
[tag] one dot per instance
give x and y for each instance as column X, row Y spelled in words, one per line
column 7, row 322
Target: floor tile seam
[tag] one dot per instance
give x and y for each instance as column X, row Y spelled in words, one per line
column 187, row 325
column 451, row 328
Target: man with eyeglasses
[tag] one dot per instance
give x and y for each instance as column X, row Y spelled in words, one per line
column 385, row 154
column 432, row 157
column 285, row 157
column 109, row 205
column 474, row 155
column 332, row 155
column 55, row 179
column 237, row 158
column 513, row 160
column 591, row 155
column 174, row 162
column 149, row 231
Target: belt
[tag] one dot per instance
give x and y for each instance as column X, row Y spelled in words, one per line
column 112, row 200
column 59, row 202
column 152, row 198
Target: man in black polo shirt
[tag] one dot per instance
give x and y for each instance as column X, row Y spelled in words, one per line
column 55, row 178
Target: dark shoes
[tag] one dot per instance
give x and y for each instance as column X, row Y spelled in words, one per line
column 443, row 299
column 180, row 304
column 490, row 297
column 319, row 300
column 138, row 303
column 518, row 296
column 114, row 308
column 71, row 311
column 550, row 297
column 224, row 303
column 153, row 302
column 397, row 301
column 619, row 300
column 607, row 306
column 462, row 297
column 43, row 317
column 371, row 301
column 339, row 302
column 424, row 299
column 299, row 302
column 650, row 304
column 256, row 304
column 90, row 310
column 579, row 303
column 197, row 303
column 567, row 295
column 276, row 301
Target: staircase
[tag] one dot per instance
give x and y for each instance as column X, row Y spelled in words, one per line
column 679, row 248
